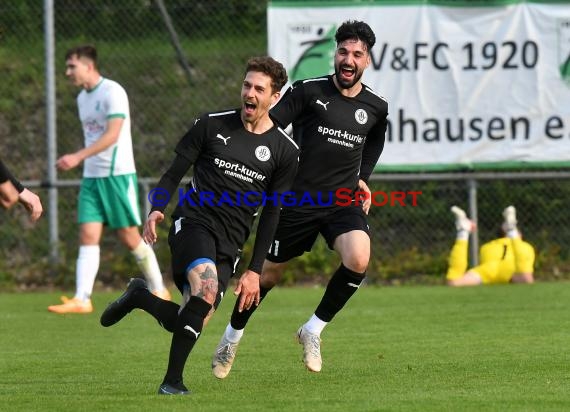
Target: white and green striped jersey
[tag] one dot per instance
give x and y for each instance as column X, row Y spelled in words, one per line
column 96, row 106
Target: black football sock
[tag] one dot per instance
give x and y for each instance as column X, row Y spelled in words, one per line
column 186, row 332
column 164, row 311
column 341, row 287
column 240, row 319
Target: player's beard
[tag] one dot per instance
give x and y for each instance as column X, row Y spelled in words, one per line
column 347, row 85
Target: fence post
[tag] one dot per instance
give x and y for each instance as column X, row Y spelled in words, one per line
column 474, row 243
column 51, row 139
column 144, row 186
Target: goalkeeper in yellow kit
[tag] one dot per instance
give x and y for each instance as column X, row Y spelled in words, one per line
column 507, row 259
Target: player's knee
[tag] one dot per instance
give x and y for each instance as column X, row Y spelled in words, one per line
column 271, row 274
column 130, row 237
column 268, row 280
column 203, row 281
column 356, row 263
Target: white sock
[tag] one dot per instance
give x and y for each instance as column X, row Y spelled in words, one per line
column 462, row 235
column 146, row 259
column 233, row 335
column 315, row 325
column 86, row 271
column 513, row 234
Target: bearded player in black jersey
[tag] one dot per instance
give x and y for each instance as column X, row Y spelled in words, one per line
column 340, row 125
column 241, row 160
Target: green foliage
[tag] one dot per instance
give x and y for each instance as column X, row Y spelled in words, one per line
column 409, row 265
column 100, row 19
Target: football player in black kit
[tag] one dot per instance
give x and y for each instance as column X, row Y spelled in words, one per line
column 241, row 160
column 340, row 125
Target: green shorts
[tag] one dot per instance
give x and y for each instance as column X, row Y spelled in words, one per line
column 111, row 200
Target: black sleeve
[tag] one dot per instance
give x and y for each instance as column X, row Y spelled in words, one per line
column 373, row 148
column 291, row 104
column 6, row 175
column 280, row 183
column 264, row 235
column 169, row 182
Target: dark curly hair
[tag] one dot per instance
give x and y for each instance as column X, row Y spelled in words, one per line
column 358, row 30
column 270, row 67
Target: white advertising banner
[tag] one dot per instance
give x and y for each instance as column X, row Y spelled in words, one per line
column 470, row 84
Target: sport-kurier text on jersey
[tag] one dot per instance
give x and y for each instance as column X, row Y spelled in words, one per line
column 340, row 137
column 232, row 167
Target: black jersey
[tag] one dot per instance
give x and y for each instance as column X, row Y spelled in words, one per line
column 235, row 172
column 341, row 138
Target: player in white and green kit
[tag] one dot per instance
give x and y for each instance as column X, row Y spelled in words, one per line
column 109, row 190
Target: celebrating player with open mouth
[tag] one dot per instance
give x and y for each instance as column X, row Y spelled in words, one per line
column 205, row 241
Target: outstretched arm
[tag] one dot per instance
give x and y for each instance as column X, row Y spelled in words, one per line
column 248, row 284
column 373, row 147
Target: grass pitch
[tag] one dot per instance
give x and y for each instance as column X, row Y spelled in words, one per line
column 501, row 348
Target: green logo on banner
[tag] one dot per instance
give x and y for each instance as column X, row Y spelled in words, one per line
column 564, row 50
column 311, row 47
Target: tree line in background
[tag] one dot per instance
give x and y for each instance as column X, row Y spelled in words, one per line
column 100, row 18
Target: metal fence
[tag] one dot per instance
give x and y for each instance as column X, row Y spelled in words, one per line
column 177, row 59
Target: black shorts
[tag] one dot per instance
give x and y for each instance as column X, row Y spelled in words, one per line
column 190, row 240
column 298, row 229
